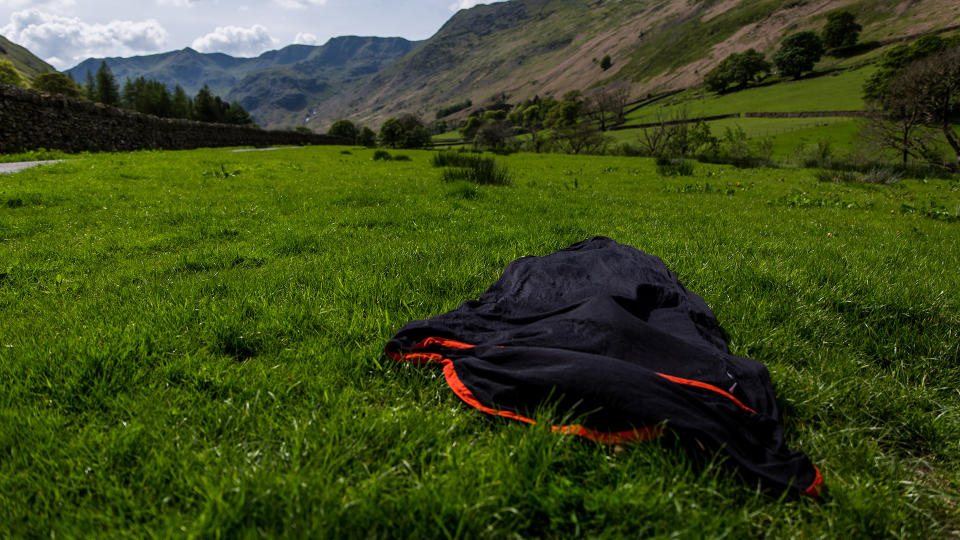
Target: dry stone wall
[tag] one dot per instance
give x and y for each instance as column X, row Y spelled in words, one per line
column 31, row 120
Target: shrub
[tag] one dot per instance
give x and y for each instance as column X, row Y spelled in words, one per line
column 836, row 177
column 450, row 158
column 401, row 157
column 56, row 83
column 10, row 75
column 465, row 190
column 881, row 175
column 382, row 155
column 874, row 175
column 674, row 167
column 481, row 171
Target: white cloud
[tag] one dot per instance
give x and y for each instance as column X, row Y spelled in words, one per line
column 236, row 41
column 176, row 3
column 467, row 4
column 305, row 38
column 50, row 4
column 65, row 41
column 299, row 4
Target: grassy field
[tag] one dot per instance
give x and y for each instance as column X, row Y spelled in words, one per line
column 192, row 346
column 835, row 92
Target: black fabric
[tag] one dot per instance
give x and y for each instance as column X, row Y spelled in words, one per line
column 589, row 329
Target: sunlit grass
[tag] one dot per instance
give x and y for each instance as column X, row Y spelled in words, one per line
column 192, row 345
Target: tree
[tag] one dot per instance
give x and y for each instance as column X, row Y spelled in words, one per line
column 207, row 107
column 738, row 68
column 180, row 104
column 10, row 75
column 147, row 96
column 344, row 128
column 606, row 63
column 565, row 113
column 798, row 54
column 367, row 137
column 532, row 123
column 897, row 58
column 841, row 30
column 470, row 128
column 108, row 92
column 607, row 106
column 56, row 83
column 237, row 115
column 493, row 135
column 407, row 131
column 930, row 89
column 90, row 87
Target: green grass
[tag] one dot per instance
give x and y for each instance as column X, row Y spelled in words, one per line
column 192, row 346
column 787, row 134
column 41, row 154
column 839, row 92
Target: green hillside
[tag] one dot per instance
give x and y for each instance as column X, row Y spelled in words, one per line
column 26, row 62
column 547, row 47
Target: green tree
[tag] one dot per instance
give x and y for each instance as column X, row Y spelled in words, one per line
column 90, row 87
column 10, row 75
column 236, row 114
column 841, row 30
column 108, row 92
column 929, row 89
column 470, row 128
column 532, row 123
column 207, row 107
column 564, row 114
column 344, row 128
column 56, row 83
column 147, row 96
column 738, row 68
column 180, row 104
column 798, row 54
column 367, row 137
column 407, row 131
column 897, row 58
column 391, row 133
column 606, row 63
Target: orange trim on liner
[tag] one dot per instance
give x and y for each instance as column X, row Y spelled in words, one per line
column 441, row 342
column 615, row 437
column 706, row 386
column 816, row 487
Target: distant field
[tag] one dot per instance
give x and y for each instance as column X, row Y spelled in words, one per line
column 787, row 133
column 192, row 346
column 836, row 92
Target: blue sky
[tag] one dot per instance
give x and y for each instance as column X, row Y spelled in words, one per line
column 66, row 32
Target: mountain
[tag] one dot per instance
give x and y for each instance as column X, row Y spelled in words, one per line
column 547, row 47
column 280, row 95
column 25, row 61
column 191, row 69
column 275, row 87
column 521, row 48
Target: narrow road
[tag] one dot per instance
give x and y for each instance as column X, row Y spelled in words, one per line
column 6, row 168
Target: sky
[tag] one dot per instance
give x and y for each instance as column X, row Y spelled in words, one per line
column 66, row 32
